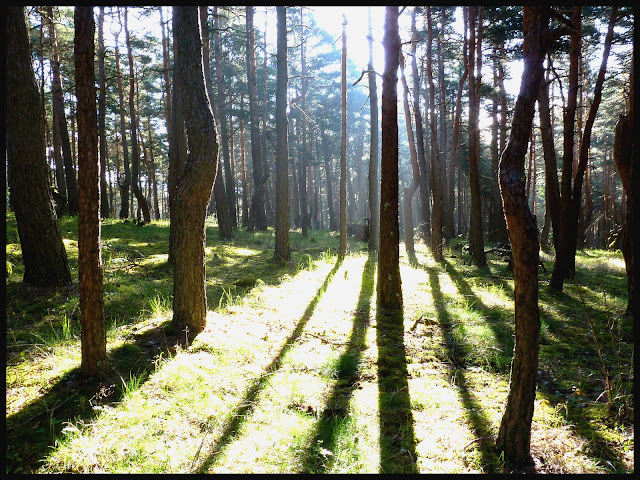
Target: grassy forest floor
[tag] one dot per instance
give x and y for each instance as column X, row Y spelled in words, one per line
column 297, row 372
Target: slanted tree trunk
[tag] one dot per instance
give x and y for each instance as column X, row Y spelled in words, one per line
column 43, row 254
column 195, row 180
column 389, row 283
column 93, row 337
column 223, row 211
column 282, row 252
column 476, row 242
column 374, row 187
column 59, row 118
column 257, row 214
column 342, row 249
column 514, row 436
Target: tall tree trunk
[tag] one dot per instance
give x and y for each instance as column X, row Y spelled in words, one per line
column 415, row 169
column 43, row 254
column 223, row 122
column 303, row 167
column 59, row 118
column 374, row 187
column 476, row 242
column 422, row 161
column 102, row 132
column 257, row 214
column 342, row 250
column 195, row 181
column 436, row 186
column 514, row 436
column 448, row 228
column 135, row 149
column 552, row 191
column 389, row 284
column 626, row 160
column 455, row 140
column 124, row 183
column 563, row 251
column 282, row 252
column 223, row 211
column 93, row 337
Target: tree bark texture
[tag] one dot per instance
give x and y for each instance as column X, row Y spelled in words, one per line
column 43, row 252
column 436, row 185
column 257, row 213
column 389, row 284
column 195, row 180
column 282, row 251
column 476, row 242
column 514, row 436
column 93, row 337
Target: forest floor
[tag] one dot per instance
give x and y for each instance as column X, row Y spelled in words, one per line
column 296, row 371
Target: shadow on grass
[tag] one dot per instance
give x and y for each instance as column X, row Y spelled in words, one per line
column 336, row 412
column 33, row 431
column 248, row 402
column 397, row 437
column 457, row 352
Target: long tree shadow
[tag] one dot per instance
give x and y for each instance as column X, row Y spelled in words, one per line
column 457, row 352
column 248, row 402
column 397, row 437
column 336, row 412
column 33, row 431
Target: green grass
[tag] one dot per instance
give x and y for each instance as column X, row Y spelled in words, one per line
column 298, row 372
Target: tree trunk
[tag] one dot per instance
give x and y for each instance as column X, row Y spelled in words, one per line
column 514, row 436
column 223, row 211
column 59, row 118
column 342, row 250
column 552, row 191
column 93, row 337
column 389, row 283
column 195, row 181
column 124, row 183
column 43, row 253
column 257, row 214
column 563, row 252
column 436, row 186
column 135, row 149
column 222, row 121
column 624, row 155
column 102, row 132
column 282, row 252
column 476, row 242
column 245, row 193
column 415, row 169
column 374, row 187
column 422, row 161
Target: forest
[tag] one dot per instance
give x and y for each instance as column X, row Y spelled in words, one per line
column 320, row 239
